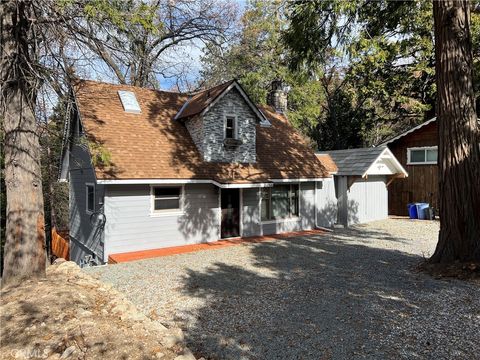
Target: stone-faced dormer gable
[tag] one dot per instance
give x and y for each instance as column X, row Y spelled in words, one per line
column 222, row 123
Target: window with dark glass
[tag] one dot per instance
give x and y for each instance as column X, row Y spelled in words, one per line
column 166, row 198
column 279, row 202
column 90, row 206
column 422, row 155
column 230, row 128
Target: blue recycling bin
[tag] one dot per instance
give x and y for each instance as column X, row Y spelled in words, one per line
column 412, row 211
column 422, row 209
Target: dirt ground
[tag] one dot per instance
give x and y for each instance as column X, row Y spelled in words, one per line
column 70, row 315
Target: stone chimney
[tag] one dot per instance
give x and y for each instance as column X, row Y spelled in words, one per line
column 277, row 97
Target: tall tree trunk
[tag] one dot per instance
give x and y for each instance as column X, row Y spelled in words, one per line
column 25, row 236
column 458, row 131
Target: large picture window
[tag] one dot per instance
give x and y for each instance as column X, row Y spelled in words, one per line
column 279, row 202
column 425, row 156
column 166, row 198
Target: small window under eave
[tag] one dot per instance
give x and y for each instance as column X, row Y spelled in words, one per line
column 129, row 102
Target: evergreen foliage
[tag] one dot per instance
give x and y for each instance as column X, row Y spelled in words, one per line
column 359, row 71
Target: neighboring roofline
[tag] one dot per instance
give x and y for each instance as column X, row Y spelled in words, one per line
column 256, row 110
column 408, row 132
column 395, row 161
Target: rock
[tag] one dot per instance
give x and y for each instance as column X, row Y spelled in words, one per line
column 58, row 261
column 120, row 309
column 83, row 313
column 187, row 355
column 158, row 326
column 174, row 337
column 159, row 355
column 68, row 352
column 133, row 315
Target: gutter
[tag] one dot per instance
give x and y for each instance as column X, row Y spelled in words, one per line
column 201, row 181
column 182, row 181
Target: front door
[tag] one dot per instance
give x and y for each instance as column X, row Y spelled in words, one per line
column 230, row 199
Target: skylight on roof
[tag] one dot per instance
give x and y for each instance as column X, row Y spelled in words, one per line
column 129, row 101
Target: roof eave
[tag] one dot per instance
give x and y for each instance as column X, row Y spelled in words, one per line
column 405, row 133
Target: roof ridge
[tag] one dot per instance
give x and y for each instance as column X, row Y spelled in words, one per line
column 193, row 93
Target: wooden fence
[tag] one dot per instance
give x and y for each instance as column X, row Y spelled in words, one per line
column 60, row 244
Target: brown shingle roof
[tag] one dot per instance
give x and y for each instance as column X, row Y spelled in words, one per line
column 152, row 145
column 328, row 163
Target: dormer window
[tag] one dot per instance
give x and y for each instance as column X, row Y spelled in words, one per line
column 230, row 127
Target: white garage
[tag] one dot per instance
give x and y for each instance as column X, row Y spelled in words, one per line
column 361, row 183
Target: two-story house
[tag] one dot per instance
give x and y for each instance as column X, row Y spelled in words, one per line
column 182, row 169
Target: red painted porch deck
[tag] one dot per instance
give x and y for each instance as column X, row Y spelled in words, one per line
column 175, row 250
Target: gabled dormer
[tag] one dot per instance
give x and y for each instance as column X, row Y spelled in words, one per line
column 222, row 122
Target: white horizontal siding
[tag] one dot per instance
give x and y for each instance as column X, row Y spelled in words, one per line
column 251, row 212
column 131, row 226
column 326, row 203
column 307, row 205
column 286, row 225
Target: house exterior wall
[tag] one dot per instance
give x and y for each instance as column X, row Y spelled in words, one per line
column 421, row 185
column 366, row 200
column 251, row 212
column 233, row 104
column 130, row 226
column 326, row 203
column 85, row 238
column 307, row 205
column 341, row 190
column 195, row 129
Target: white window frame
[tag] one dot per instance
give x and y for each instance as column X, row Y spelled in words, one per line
column 167, row 212
column 424, row 148
column 287, row 218
column 89, row 212
column 235, row 126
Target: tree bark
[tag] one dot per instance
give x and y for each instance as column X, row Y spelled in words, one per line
column 458, row 131
column 25, row 255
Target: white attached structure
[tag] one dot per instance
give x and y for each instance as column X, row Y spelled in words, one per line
column 361, row 183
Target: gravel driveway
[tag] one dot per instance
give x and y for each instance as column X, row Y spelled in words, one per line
column 348, row 294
